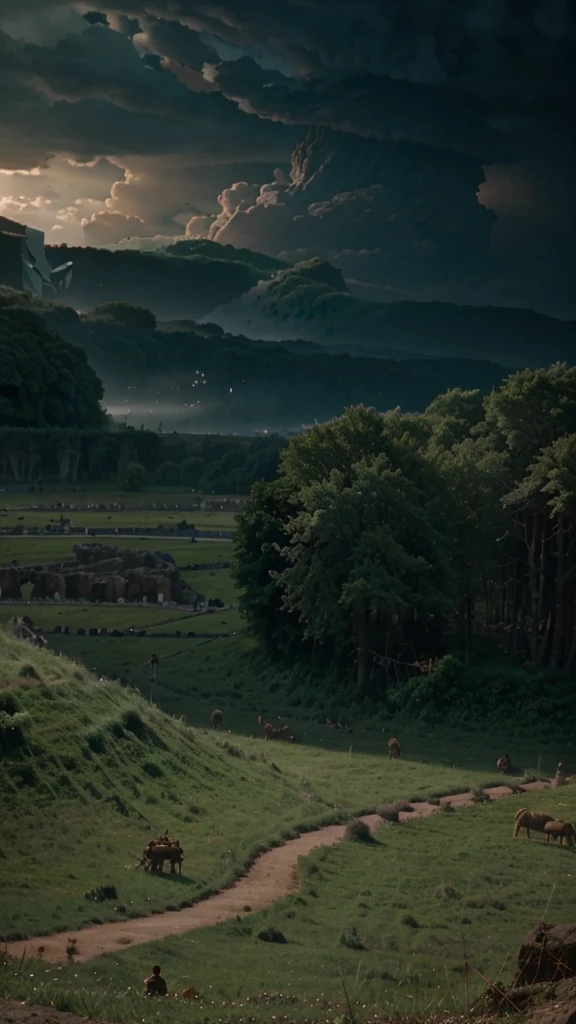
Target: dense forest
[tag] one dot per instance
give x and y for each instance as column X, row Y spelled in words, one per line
column 178, row 283
column 53, row 427
column 395, row 552
column 216, row 381
column 44, row 380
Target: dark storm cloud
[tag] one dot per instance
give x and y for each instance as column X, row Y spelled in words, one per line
column 410, row 215
column 91, row 94
column 461, row 75
column 364, row 105
column 176, row 42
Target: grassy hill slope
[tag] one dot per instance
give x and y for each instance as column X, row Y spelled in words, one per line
column 89, row 771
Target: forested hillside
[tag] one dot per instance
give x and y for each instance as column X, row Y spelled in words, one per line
column 207, row 380
column 45, row 381
column 171, row 283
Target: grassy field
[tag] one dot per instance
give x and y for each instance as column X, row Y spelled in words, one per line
column 93, row 518
column 152, row 618
column 397, row 916
column 92, row 770
column 34, row 550
column 105, row 495
column 197, row 675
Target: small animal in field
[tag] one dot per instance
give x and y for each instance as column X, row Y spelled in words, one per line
column 534, row 821
column 562, row 830
column 504, row 764
column 158, row 854
column 393, row 749
column 216, row 719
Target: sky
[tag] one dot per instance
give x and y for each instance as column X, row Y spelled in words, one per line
column 426, row 147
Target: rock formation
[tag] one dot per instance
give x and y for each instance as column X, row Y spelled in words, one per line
column 100, row 573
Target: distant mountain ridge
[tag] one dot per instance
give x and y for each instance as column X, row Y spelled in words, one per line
column 199, row 378
column 256, row 295
column 311, row 300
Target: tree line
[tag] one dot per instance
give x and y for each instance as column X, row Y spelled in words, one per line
column 134, row 459
column 399, row 552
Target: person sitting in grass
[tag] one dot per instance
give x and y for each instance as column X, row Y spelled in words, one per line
column 155, row 984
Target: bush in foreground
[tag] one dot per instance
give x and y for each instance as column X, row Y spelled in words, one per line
column 358, row 832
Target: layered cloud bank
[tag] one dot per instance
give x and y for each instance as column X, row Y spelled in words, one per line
column 426, row 149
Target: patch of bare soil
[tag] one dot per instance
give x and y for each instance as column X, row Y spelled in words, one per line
column 12, row 1012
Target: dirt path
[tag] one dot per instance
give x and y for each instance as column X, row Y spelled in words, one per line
column 272, row 876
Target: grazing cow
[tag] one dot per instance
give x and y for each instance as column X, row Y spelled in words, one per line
column 531, row 820
column 216, row 719
column 393, row 749
column 562, row 830
column 504, row 764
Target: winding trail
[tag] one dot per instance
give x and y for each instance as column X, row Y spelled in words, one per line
column 273, row 875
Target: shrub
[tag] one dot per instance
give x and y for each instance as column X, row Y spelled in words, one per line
column 96, row 741
column 125, row 313
column 350, row 937
column 191, row 470
column 133, row 476
column 11, row 729
column 103, row 892
column 388, row 813
column 9, row 704
column 133, row 722
column 272, row 935
column 410, row 921
column 448, row 892
column 28, row 672
column 167, row 473
column 152, row 769
column 358, row 832
column 232, row 750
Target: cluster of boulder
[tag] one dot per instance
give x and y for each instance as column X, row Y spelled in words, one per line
column 101, row 573
column 544, row 987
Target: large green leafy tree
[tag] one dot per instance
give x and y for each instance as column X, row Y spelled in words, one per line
column 532, row 420
column 259, row 542
column 366, row 564
column 474, row 477
column 44, row 381
column 350, row 548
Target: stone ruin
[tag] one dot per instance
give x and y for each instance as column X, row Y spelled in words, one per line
column 99, row 573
